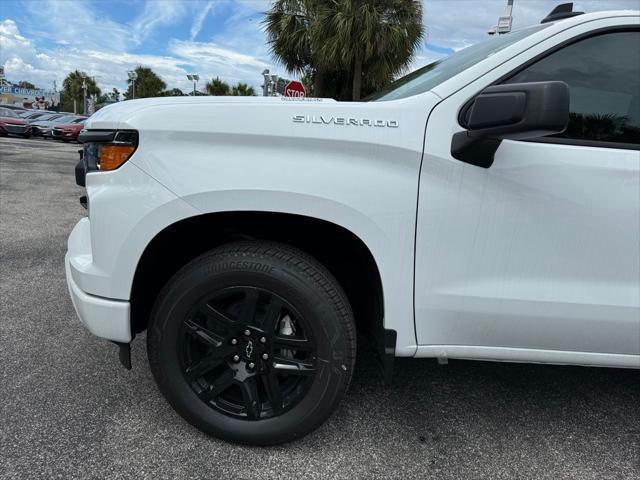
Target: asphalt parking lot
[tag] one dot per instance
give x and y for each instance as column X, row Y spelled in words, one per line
column 68, row 410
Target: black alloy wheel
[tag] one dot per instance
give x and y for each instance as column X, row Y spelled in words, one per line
column 241, row 356
column 253, row 342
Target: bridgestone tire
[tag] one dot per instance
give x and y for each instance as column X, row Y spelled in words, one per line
column 289, row 274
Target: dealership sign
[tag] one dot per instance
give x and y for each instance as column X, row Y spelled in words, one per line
column 30, row 98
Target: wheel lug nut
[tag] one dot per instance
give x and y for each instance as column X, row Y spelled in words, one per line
column 265, row 356
column 263, row 339
column 247, row 332
column 236, row 358
column 234, row 341
column 251, row 365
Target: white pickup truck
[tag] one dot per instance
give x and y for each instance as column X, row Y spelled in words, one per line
column 486, row 206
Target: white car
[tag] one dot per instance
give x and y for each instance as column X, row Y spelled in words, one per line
column 486, row 207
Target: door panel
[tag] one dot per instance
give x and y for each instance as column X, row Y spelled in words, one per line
column 539, row 251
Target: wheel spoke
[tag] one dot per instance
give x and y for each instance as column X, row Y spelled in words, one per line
column 272, row 315
column 293, row 366
column 216, row 315
column 274, row 393
column 219, row 385
column 249, row 305
column 203, row 366
column 292, row 343
column 203, row 334
column 250, row 398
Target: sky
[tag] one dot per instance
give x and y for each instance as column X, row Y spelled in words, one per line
column 43, row 40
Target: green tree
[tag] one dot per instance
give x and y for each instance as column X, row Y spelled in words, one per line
column 147, row 84
column 104, row 98
column 174, row 92
column 72, row 91
column 242, row 90
column 373, row 37
column 115, row 95
column 288, row 25
column 25, row 84
column 217, row 87
column 348, row 47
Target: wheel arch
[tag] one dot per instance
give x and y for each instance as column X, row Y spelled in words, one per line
column 342, row 251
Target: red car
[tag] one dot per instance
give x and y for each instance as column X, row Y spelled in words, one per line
column 67, row 132
column 10, row 123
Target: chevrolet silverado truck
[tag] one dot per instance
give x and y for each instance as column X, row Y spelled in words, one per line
column 485, row 207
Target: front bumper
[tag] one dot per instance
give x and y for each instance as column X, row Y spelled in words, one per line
column 103, row 317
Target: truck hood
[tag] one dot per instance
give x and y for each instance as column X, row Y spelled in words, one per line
column 114, row 115
column 260, row 124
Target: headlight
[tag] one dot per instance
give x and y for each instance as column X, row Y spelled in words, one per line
column 106, row 150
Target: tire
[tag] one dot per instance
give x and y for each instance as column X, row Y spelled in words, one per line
column 27, row 135
column 253, row 343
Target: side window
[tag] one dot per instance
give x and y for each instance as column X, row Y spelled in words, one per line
column 603, row 74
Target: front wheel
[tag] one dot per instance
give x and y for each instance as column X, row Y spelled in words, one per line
column 253, row 342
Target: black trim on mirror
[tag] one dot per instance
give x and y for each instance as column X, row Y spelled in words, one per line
column 474, row 150
column 514, row 111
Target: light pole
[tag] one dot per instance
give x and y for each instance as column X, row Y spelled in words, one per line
column 194, row 77
column 84, row 93
column 504, row 22
column 133, row 76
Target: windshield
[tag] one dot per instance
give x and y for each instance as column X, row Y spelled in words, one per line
column 64, row 119
column 46, row 117
column 35, row 115
column 427, row 77
column 5, row 112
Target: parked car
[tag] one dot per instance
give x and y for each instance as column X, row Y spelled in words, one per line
column 44, row 117
column 16, row 108
column 482, row 207
column 12, row 124
column 44, row 128
column 68, row 132
column 35, row 114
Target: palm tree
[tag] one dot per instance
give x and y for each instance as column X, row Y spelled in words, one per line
column 242, row 90
column 340, row 43
column 174, row 92
column 217, row 87
column 378, row 37
column 147, row 84
column 25, row 84
column 288, row 27
column 72, row 87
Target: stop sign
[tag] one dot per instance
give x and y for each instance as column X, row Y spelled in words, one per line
column 294, row 89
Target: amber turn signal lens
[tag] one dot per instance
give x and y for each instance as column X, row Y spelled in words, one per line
column 112, row 156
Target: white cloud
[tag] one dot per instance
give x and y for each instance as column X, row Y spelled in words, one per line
column 459, row 23
column 155, row 14
column 210, row 59
column 236, row 51
column 23, row 61
column 199, row 20
column 76, row 26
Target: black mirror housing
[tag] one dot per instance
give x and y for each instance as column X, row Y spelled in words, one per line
column 514, row 111
column 520, row 110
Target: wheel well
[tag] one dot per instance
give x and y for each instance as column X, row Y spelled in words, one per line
column 339, row 250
